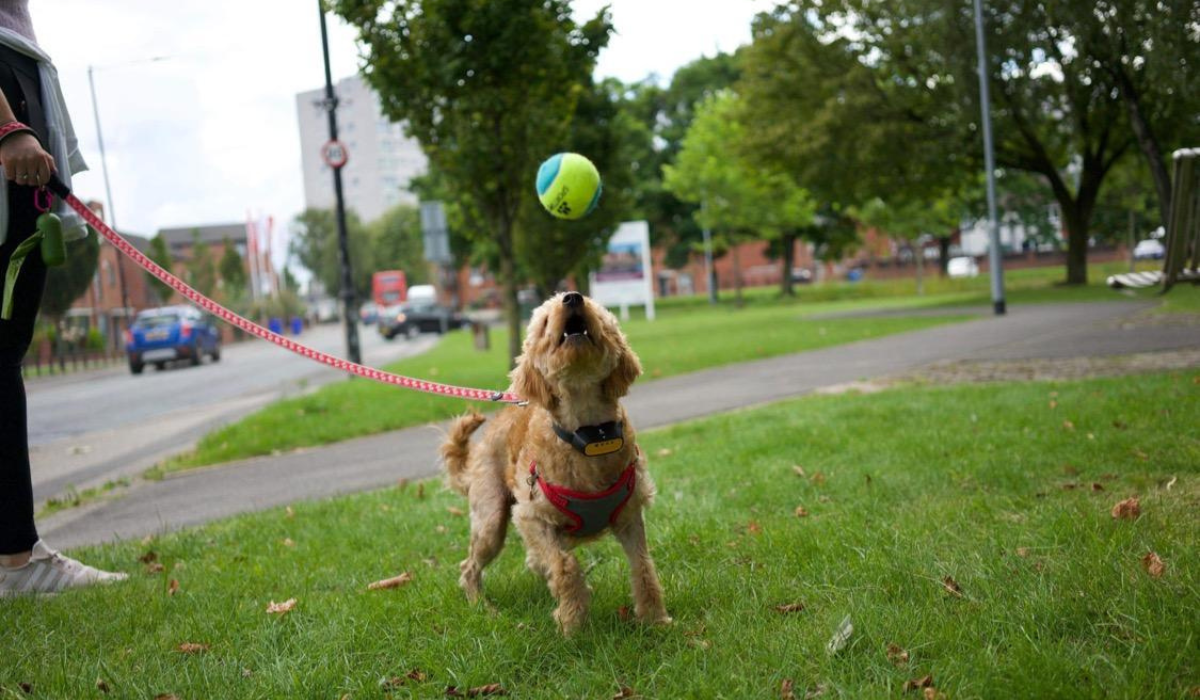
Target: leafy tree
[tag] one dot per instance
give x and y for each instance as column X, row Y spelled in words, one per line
column 315, row 245
column 233, row 271
column 201, row 268
column 655, row 121
column 65, row 283
column 1149, row 51
column 549, row 249
column 912, row 222
column 397, row 243
column 487, row 88
column 739, row 199
column 895, row 95
column 161, row 254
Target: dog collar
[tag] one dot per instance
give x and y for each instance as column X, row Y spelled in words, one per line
column 594, row 440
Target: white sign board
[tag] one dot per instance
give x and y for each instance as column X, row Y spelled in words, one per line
column 626, row 276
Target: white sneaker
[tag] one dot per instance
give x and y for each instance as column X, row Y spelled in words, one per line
column 47, row 571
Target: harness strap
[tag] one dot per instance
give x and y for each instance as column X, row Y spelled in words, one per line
column 589, row 512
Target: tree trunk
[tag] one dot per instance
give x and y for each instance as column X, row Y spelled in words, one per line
column 944, row 255
column 737, row 277
column 508, row 278
column 919, row 255
column 1077, row 239
column 1148, row 144
column 788, row 241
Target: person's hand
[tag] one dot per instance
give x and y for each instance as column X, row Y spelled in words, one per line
column 25, row 161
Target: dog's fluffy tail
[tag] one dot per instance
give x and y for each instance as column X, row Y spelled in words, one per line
column 456, row 448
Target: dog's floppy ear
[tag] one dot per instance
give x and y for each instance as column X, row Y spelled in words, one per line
column 628, row 369
column 529, row 384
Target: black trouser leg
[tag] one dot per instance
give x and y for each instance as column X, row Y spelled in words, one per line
column 17, row 530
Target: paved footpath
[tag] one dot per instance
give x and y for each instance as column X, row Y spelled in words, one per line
column 1049, row 330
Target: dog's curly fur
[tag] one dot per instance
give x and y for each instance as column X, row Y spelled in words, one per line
column 574, row 381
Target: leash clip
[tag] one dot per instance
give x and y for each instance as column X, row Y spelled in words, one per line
column 37, row 202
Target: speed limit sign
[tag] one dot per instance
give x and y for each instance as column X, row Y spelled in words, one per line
column 334, row 154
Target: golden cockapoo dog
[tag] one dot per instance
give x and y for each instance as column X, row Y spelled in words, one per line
column 560, row 467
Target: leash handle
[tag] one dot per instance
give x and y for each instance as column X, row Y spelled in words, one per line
column 56, row 185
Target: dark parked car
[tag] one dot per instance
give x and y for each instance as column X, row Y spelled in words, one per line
column 169, row 333
column 420, row 317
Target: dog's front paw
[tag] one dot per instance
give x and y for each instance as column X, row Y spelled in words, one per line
column 569, row 619
column 658, row 618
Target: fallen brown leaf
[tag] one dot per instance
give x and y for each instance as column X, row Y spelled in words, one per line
column 815, row 692
column 896, row 655
column 281, row 608
column 392, row 683
column 148, row 557
column 925, row 681
column 452, row 691
column 416, row 675
column 1097, row 486
column 101, row 685
column 1022, row 551
column 173, row 587
column 1068, row 425
column 789, row 608
column 166, row 696
column 699, row 643
column 624, row 613
column 664, row 452
column 801, row 512
column 931, row 694
column 952, row 587
column 155, row 568
column 1070, row 470
column 26, row 688
column 1140, row 455
column 288, row 542
column 753, row 527
column 1153, row 565
column 457, row 512
column 489, row 689
column 1069, row 486
column 798, row 470
column 192, row 648
column 1053, row 404
column 393, row 582
column 1120, row 425
column 818, row 478
column 625, row 692
column 787, row 690
column 1128, row 509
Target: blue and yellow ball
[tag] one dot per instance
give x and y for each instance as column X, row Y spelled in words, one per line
column 568, row 186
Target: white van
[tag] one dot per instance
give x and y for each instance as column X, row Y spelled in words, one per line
column 422, row 293
column 962, row 267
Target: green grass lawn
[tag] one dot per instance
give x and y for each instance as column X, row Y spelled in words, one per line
column 674, row 344
column 989, row 485
column 689, row 335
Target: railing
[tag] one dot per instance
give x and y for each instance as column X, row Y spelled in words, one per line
column 42, row 361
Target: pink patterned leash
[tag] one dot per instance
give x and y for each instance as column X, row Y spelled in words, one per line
column 252, row 328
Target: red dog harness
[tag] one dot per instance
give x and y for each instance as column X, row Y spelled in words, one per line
column 590, row 512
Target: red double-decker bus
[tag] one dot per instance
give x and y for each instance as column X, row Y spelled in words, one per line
column 389, row 287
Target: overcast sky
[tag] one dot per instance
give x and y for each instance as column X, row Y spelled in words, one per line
column 210, row 131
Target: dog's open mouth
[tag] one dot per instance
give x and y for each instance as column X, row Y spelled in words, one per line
column 574, row 330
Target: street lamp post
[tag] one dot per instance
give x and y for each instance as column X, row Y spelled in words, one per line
column 995, row 262
column 112, row 216
column 351, row 317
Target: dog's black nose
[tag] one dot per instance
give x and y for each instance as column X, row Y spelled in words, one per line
column 571, row 299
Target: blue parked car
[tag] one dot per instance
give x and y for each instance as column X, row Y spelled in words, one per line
column 169, row 333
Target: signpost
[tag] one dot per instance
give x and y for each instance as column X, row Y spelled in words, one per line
column 625, row 275
column 334, row 153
